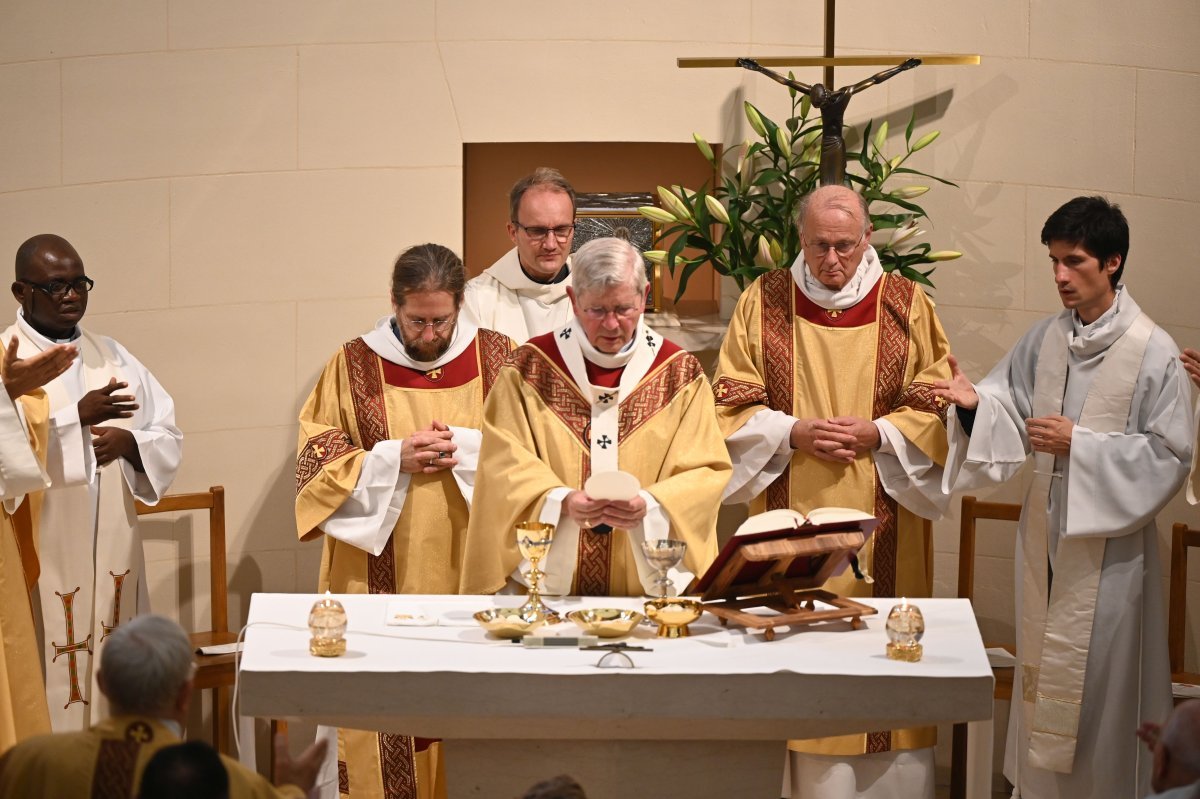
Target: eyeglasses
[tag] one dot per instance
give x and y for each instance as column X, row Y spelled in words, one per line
column 562, row 232
column 57, row 289
column 842, row 248
column 621, row 312
column 418, row 325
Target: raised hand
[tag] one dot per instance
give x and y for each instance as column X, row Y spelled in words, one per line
column 23, row 375
column 302, row 771
column 101, row 404
column 958, row 389
column 1191, row 363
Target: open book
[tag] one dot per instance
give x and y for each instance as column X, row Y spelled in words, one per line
column 788, row 519
column 786, row 544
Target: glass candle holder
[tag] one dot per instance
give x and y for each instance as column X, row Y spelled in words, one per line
column 327, row 623
column 905, row 627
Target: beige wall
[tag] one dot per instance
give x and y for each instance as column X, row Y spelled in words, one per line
column 237, row 176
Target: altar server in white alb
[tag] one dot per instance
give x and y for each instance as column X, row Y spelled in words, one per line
column 524, row 294
column 1099, row 397
column 1191, row 362
column 90, row 552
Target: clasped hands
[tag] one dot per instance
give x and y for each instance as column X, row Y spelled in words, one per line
column 1048, row 434
column 588, row 512
column 429, row 450
column 840, row 439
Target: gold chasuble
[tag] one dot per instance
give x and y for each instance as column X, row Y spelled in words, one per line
column 876, row 359
column 360, row 400
column 22, row 696
column 107, row 761
column 538, row 438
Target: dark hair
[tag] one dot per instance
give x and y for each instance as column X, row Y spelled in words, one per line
column 1095, row 224
column 428, row 267
column 543, row 176
column 560, row 787
column 191, row 770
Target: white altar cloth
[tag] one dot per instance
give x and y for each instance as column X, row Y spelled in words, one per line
column 720, row 685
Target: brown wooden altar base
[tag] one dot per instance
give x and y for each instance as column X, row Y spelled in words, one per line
column 783, row 570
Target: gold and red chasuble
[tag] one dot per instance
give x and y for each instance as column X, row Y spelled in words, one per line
column 537, row 438
column 360, row 400
column 876, row 359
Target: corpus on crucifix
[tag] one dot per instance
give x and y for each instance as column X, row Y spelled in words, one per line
column 832, row 105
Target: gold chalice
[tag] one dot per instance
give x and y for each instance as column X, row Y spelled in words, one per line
column 534, row 539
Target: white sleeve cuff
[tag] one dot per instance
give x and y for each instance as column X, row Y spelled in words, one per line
column 467, row 439
column 368, row 516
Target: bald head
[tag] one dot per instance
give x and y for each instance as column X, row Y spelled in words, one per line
column 42, row 248
column 835, row 230
column 1179, row 748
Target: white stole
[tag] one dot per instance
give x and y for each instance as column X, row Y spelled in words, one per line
column 605, row 433
column 90, row 555
column 1057, row 621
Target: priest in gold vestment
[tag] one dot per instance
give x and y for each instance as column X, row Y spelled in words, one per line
column 601, row 393
column 389, row 440
column 824, row 392
column 24, row 427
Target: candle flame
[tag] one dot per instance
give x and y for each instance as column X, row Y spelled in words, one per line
column 904, row 602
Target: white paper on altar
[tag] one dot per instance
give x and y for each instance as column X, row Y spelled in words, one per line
column 952, row 644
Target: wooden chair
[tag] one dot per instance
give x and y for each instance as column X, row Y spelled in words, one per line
column 1182, row 537
column 212, row 671
column 972, row 511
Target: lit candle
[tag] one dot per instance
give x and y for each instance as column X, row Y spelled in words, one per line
column 327, row 623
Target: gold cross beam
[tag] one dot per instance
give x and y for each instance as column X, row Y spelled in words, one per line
column 829, row 60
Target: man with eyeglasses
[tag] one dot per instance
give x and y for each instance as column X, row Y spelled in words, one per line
column 601, row 393
column 1097, row 398
column 825, row 393
column 524, row 294
column 389, row 439
column 110, row 417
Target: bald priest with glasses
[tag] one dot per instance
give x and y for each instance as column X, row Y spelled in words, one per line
column 389, row 439
column 825, row 391
column 601, row 393
column 112, row 425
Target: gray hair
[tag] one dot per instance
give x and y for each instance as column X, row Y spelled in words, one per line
column 606, row 262
column 428, row 267
column 842, row 198
column 145, row 663
column 543, row 177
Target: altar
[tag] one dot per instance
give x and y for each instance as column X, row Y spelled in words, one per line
column 702, row 716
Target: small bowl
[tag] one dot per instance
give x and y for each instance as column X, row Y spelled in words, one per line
column 673, row 615
column 506, row 622
column 606, row 622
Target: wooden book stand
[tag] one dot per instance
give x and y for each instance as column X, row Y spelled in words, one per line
column 782, row 570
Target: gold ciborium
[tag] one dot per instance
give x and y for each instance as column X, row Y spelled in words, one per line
column 533, row 539
column 673, row 615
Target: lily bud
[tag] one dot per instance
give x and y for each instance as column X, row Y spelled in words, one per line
column 755, row 119
column 776, row 251
column 655, row 256
column 881, row 136
column 943, row 255
column 657, row 214
column 781, row 141
column 673, row 204
column 908, row 192
column 763, row 257
column 716, row 209
column 704, row 147
column 926, row 140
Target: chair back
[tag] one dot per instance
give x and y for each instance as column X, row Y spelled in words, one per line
column 972, row 511
column 212, row 500
column 1182, row 537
